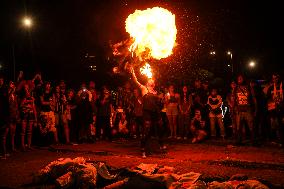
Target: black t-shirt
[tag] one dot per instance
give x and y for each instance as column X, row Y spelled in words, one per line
column 151, row 102
column 243, row 98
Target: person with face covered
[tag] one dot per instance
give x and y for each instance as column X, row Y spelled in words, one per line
column 151, row 111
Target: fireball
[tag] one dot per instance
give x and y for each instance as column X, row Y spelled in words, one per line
column 147, row 71
column 153, row 31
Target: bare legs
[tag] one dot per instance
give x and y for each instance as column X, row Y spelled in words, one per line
column 173, row 125
column 26, row 127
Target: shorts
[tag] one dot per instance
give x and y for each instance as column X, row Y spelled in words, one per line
column 172, row 110
column 212, row 115
column 27, row 116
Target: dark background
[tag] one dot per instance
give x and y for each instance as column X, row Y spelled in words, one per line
column 64, row 31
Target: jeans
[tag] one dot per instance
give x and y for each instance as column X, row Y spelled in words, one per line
column 248, row 118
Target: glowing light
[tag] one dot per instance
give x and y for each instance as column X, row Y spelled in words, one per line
column 147, row 71
column 212, row 52
column 252, row 64
column 229, row 53
column 153, row 31
column 27, row 22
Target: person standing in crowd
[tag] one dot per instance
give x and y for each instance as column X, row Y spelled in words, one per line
column 198, row 101
column 122, row 126
column 117, row 115
column 138, row 112
column 58, row 106
column 28, row 117
column 61, row 111
column 163, row 112
column 215, row 113
column 245, row 104
column 84, row 114
column 198, row 91
column 13, row 113
column 261, row 111
column 47, row 113
column 205, row 92
column 185, row 106
column 71, row 114
column 4, row 115
column 276, row 107
column 232, row 108
column 38, row 85
column 197, row 127
column 172, row 103
column 125, row 95
column 92, row 89
column 105, row 110
column 151, row 112
column 196, row 104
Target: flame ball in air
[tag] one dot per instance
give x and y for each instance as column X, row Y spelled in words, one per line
column 153, row 29
column 147, row 71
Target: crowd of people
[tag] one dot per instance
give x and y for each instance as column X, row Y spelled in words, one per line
column 36, row 112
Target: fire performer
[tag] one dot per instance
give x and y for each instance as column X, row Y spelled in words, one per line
column 151, row 112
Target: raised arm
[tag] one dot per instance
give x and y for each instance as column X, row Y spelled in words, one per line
column 142, row 87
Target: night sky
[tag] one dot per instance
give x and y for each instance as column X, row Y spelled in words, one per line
column 65, row 30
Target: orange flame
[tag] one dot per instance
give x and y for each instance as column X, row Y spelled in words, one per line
column 147, row 71
column 153, row 31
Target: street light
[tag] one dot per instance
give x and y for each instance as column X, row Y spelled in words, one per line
column 229, row 53
column 27, row 22
column 252, row 64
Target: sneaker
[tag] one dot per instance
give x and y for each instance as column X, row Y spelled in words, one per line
column 143, row 155
column 184, row 138
column 194, row 140
column 178, row 138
